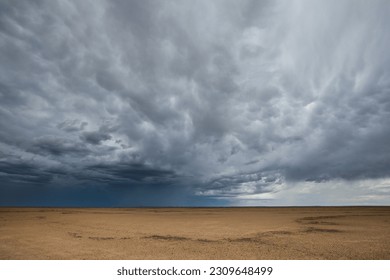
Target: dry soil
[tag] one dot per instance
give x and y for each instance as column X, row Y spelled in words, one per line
column 195, row 233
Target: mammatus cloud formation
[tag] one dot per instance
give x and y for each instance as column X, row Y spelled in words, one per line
column 135, row 103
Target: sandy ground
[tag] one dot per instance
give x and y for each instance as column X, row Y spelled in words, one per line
column 195, row 233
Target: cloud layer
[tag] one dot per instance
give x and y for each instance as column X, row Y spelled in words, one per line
column 194, row 102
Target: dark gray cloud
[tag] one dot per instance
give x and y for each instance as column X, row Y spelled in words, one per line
column 241, row 102
column 55, row 146
column 23, row 173
column 72, row 125
column 130, row 173
column 95, row 137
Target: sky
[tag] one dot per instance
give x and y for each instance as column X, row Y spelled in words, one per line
column 127, row 103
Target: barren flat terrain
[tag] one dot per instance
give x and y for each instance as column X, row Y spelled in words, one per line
column 195, row 233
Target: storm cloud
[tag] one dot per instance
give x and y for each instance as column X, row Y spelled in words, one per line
column 195, row 102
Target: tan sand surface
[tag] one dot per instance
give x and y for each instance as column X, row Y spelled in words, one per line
column 195, row 233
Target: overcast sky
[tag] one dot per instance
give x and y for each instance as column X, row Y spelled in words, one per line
column 178, row 103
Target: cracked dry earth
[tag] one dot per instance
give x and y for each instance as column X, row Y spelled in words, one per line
column 195, row 233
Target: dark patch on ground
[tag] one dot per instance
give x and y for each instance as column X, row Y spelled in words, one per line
column 206, row 240
column 100, row 238
column 316, row 218
column 325, row 230
column 243, row 239
column 279, row 232
column 167, row 237
column 74, row 235
column 256, row 240
column 321, row 223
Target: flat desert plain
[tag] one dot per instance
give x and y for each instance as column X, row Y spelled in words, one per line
column 195, row 233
